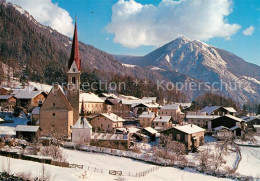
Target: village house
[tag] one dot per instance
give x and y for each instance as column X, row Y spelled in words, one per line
column 191, row 135
column 148, row 131
column 106, row 122
column 199, row 120
column 219, row 110
column 172, row 110
column 231, row 122
column 26, row 97
column 162, row 122
column 7, row 102
column 92, row 103
column 250, row 121
column 28, row 133
column 139, row 108
column 146, row 119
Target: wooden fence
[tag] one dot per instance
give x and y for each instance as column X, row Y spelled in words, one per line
column 76, row 166
column 33, row 158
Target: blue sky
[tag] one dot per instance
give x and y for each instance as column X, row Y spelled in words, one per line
column 140, row 26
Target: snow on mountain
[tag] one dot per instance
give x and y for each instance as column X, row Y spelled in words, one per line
column 157, row 68
column 128, row 65
column 233, row 76
column 252, row 79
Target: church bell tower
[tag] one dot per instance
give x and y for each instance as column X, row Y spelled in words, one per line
column 74, row 66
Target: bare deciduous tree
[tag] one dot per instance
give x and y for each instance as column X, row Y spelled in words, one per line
column 204, row 160
column 217, row 161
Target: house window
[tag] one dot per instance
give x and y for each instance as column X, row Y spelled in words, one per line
column 178, row 137
column 53, row 104
column 156, row 124
column 163, row 124
column 74, row 70
column 186, row 138
column 101, row 125
column 53, row 114
column 74, row 80
column 97, row 118
column 108, row 126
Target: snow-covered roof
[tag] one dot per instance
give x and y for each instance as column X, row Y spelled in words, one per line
column 79, row 124
column 230, row 109
column 130, row 102
column 147, row 115
column 185, row 105
column 171, row 107
column 1, row 120
column 25, row 128
column 210, row 109
column 149, row 105
column 244, row 117
column 189, row 128
column 256, row 126
column 220, row 127
column 6, row 88
column 233, row 117
column 90, row 97
column 108, row 136
column 113, row 117
column 248, row 119
column 128, row 97
column 151, row 99
column 234, row 127
column 5, row 97
column 130, row 130
column 133, row 130
column 159, row 128
column 26, row 94
column 151, row 130
column 201, row 117
column 40, row 87
column 36, row 110
column 164, row 119
column 109, row 95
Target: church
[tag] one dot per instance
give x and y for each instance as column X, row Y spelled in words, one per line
column 60, row 111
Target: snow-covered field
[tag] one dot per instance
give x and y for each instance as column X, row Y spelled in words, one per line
column 250, row 162
column 105, row 162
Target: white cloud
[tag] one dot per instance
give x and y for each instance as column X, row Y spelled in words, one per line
column 48, row 13
column 249, row 31
column 134, row 24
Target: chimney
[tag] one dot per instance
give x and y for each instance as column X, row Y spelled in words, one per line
column 190, row 125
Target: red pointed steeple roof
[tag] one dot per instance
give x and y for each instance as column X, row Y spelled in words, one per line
column 75, row 50
column 82, row 106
